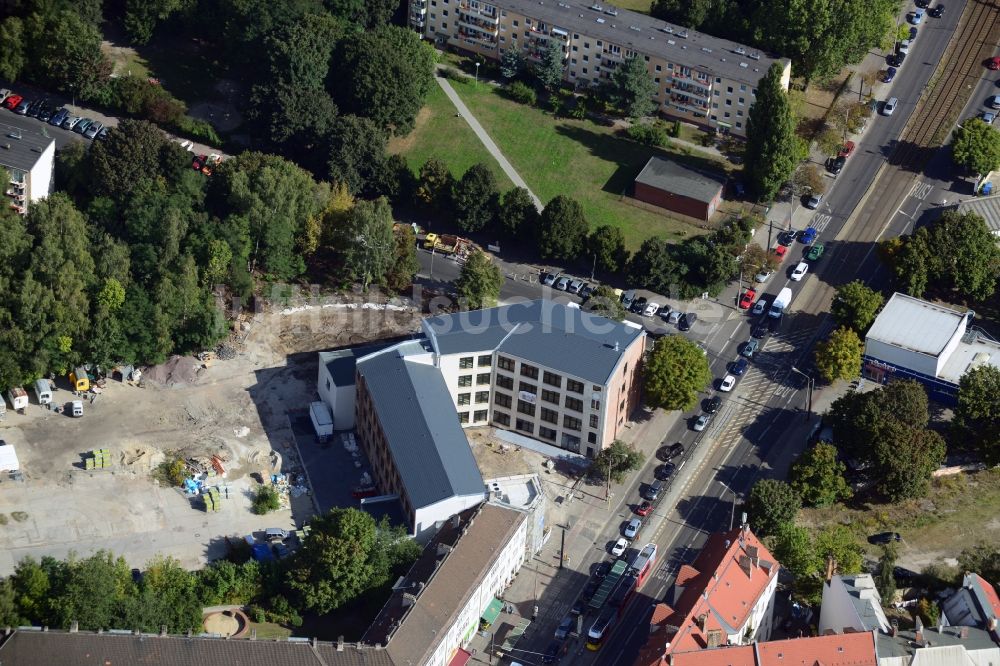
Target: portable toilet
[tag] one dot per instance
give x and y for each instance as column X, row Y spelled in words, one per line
column 18, row 398
column 43, row 391
column 78, row 378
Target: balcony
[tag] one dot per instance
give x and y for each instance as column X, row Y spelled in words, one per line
column 687, row 102
column 477, row 24
column 691, row 89
column 418, row 6
column 478, row 36
column 485, row 12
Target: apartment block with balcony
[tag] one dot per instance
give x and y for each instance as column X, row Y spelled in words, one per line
column 547, row 371
column 700, row 79
column 28, row 158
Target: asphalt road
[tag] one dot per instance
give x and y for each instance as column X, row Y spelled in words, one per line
column 27, row 125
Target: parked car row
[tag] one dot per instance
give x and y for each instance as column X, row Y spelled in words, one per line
column 564, row 283
column 47, row 112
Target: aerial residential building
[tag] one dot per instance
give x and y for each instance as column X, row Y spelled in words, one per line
column 976, row 604
column 987, row 208
column 560, row 375
column 29, row 159
column 937, row 646
column 833, row 650
column 851, row 604
column 726, row 597
column 708, row 81
column 933, row 344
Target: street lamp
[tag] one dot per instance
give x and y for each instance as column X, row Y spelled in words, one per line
column 810, row 382
column 732, row 511
column 477, row 74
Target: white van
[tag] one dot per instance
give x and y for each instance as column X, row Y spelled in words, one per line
column 43, row 391
column 890, row 106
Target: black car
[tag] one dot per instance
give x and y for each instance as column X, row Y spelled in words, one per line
column 551, row 655
column 836, row 164
column 896, row 59
column 712, row 404
column 923, row 4
column 786, row 238
column 884, row 537
column 686, row 321
column 675, row 450
column 638, row 305
column 602, row 569
column 34, row 108
column 665, row 471
column 937, row 12
column 761, row 329
column 45, row 113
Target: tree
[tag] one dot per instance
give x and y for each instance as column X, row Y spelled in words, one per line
column 476, row 198
column 405, row 264
column 977, row 415
column 617, row 460
column 807, row 178
column 855, row 306
column 479, row 283
column 656, row 267
column 838, row 542
column 12, row 56
column 632, row 89
column 603, row 301
column 135, row 152
column 885, row 577
column 167, row 597
column 265, row 500
column 562, row 229
column 550, row 68
column 771, row 504
column 517, row 212
column 675, row 373
column 839, row 356
column 384, row 75
column 367, row 242
column 856, row 417
column 434, row 185
column 363, row 13
column 770, row 150
column 976, row 146
column 142, row 16
column 756, row 259
column 818, row 477
column 793, row 547
column 607, row 245
column 983, row 558
column 94, row 592
column 511, row 62
column 905, row 459
column 357, row 152
column 65, row 53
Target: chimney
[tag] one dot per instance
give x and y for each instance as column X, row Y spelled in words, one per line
column 918, row 631
column 752, row 553
column 728, row 543
column 831, row 567
column 714, row 638
column 894, row 628
column 747, row 565
column 312, row 642
column 340, row 643
column 163, row 630
column 963, row 633
column 74, row 627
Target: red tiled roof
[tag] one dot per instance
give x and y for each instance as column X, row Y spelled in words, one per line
column 834, row 650
column 990, row 593
column 686, row 574
column 660, row 613
column 738, row 655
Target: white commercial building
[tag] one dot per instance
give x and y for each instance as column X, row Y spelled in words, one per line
column 29, row 159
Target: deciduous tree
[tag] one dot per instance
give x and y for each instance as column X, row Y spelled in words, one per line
column 607, row 245
column 976, row 146
column 675, row 373
column 839, row 356
column 367, row 244
column 977, row 415
column 818, row 477
column 434, row 185
column 770, row 151
column 357, row 152
column 405, row 264
column 475, row 198
column 855, row 305
column 518, row 214
column 479, row 283
column 605, row 302
column 632, row 89
column 617, row 460
column 562, row 229
column 772, row 504
column 655, row 266
column 905, row 458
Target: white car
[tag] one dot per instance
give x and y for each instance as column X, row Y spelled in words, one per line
column 632, row 529
column 800, row 271
column 575, row 286
column 904, row 46
column 763, row 276
column 728, row 382
column 759, row 307
column 562, row 283
column 620, row 547
column 650, row 309
column 550, row 279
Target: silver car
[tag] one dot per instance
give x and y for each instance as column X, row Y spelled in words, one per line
column 93, row 129
column 71, row 122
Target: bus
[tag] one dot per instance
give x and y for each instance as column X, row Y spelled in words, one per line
column 644, row 563
column 600, row 629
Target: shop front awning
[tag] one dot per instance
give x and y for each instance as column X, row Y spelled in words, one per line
column 492, row 611
column 461, row 658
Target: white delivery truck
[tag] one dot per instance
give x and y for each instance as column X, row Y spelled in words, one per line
column 43, row 391
column 781, row 302
column 322, row 420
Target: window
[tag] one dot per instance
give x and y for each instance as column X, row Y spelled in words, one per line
column 718, row 79
column 485, row 361
column 595, row 404
column 482, row 396
column 574, row 403
column 525, row 408
column 729, row 90
column 525, row 426
column 547, row 433
column 738, row 124
column 505, row 382
column 550, row 396
column 729, row 102
column 715, row 105
column 529, row 371
column 574, row 386
column 594, row 418
column 505, row 363
column 586, row 58
column 480, row 415
column 570, row 442
column 444, row 26
column 502, row 399
column 515, row 23
column 739, row 114
column 463, row 417
column 592, row 438
column 727, row 114
column 464, row 398
column 501, row 418
column 741, row 101
column 576, row 36
column 552, row 379
column 464, row 380
column 527, row 388
column 575, row 49
column 571, row 423
column 584, row 70
column 465, row 363
column 622, row 405
column 550, row 415
column 743, row 87
column 483, row 378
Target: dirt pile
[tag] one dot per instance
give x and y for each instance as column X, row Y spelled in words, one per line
column 178, row 371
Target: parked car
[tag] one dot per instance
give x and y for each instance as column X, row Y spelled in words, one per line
column 890, row 106
column 575, row 286
column 620, row 547
column 587, row 291
column 548, row 280
column 987, row 117
column 739, row 367
column 812, row 203
column 34, row 108
column 551, row 655
column 835, row 165
column 728, row 382
column 993, row 102
column 651, row 309
column 903, row 47
column 889, row 75
column 639, row 304
column 937, row 12
column 566, row 626
column 759, row 306
column 701, row 422
column 800, row 271
column 763, row 276
column 846, row 150
column 808, row 235
column 562, row 283
column 103, row 134
column 713, row 404
column 4, row 94
column 896, row 59
column 746, row 300
column 644, row 509
column 672, row 451
column 786, row 238
column 632, row 529
column 884, row 537
column 70, row 122
column 82, row 126
column 815, row 252
column 686, row 321
column 93, row 129
column 45, row 112
column 22, row 108
column 13, row 101
column 750, row 348
column 916, row 17
column 58, row 117
column 993, row 63
column 913, row 33
column 665, row 471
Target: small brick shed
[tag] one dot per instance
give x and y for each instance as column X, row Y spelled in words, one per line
column 679, row 188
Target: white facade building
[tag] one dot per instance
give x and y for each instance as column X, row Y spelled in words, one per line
column 29, row 159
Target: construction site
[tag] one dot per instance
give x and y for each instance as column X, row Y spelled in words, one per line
column 218, row 421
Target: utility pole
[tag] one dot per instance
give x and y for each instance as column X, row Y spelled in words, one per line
column 810, row 382
column 593, row 268
column 732, row 510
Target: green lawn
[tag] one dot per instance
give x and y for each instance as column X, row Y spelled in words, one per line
column 634, row 5
column 580, row 159
column 439, row 134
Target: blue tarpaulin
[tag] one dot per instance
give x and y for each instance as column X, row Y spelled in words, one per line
column 261, row 552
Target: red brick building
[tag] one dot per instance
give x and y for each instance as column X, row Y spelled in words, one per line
column 679, row 188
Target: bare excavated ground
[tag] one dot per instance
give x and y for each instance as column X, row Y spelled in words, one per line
column 235, row 409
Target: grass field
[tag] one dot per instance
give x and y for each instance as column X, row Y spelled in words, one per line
column 580, row 159
column 634, row 5
column 439, row 134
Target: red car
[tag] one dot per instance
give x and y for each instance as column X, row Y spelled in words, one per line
column 846, row 150
column 198, row 162
column 746, row 300
column 12, row 102
column 993, row 63
column 779, row 251
column 644, row 509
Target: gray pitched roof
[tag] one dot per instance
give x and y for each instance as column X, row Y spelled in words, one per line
column 340, row 363
column 987, row 208
column 20, row 148
column 649, row 36
column 676, row 178
column 550, row 334
column 902, row 645
column 428, row 446
column 46, row 648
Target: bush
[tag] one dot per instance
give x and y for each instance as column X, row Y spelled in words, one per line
column 649, row 135
column 522, row 93
column 675, row 129
column 171, row 472
column 199, row 130
column 579, row 109
column 266, row 500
